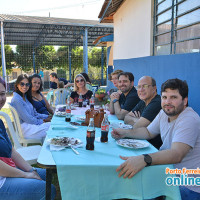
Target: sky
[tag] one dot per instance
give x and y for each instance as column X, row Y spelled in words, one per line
column 73, row 9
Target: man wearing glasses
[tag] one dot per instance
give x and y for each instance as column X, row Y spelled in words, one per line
column 148, row 107
column 179, row 127
column 121, row 105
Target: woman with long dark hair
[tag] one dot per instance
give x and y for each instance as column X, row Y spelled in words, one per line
column 32, row 123
column 18, row 179
column 37, row 99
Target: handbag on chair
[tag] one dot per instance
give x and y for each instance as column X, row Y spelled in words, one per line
column 98, row 116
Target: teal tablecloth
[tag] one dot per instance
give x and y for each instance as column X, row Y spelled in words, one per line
column 92, row 174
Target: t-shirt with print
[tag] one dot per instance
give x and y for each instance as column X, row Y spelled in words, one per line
column 184, row 129
column 129, row 101
column 87, row 95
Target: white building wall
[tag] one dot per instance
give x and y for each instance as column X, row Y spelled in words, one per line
column 133, row 29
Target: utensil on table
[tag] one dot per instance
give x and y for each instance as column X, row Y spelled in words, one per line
column 74, row 150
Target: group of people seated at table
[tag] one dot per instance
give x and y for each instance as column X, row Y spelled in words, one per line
column 18, row 179
column 165, row 121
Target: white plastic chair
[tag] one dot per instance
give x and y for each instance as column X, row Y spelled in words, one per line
column 17, row 126
column 30, row 153
column 59, row 96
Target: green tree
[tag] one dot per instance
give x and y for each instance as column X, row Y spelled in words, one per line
column 63, row 57
column 9, row 57
column 45, row 57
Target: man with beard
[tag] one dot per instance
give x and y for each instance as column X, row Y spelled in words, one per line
column 179, row 127
column 121, row 105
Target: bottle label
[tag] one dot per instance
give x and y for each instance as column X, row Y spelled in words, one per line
column 91, row 101
column 68, row 111
column 90, row 134
column 105, row 127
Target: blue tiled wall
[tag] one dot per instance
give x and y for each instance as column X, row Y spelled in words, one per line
column 182, row 66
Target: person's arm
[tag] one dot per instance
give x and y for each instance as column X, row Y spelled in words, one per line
column 113, row 96
column 8, row 171
column 138, row 133
column 134, row 164
column 19, row 161
column 49, row 108
column 69, row 85
column 135, row 120
column 24, row 114
column 119, row 112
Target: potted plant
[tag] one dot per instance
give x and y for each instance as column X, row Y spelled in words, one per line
column 100, row 94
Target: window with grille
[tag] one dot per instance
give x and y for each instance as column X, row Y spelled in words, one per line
column 176, row 27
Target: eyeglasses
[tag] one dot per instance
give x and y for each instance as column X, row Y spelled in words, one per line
column 81, row 80
column 22, row 84
column 145, row 86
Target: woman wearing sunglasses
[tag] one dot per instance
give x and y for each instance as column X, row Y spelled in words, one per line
column 80, row 88
column 32, row 122
column 38, row 101
column 18, row 179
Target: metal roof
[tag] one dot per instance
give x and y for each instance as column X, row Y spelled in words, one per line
column 27, row 30
column 108, row 9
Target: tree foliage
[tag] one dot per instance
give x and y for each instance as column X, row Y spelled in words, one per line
column 9, row 57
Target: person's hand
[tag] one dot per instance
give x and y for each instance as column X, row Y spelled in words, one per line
column 48, row 119
column 32, row 175
column 114, row 95
column 131, row 166
column 118, row 133
column 67, row 85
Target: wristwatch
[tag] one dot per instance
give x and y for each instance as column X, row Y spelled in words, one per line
column 115, row 100
column 147, row 159
column 33, row 169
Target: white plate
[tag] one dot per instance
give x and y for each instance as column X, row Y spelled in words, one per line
column 75, row 142
column 60, row 114
column 80, row 119
column 132, row 143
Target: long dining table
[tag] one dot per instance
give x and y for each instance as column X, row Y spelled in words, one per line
column 92, row 175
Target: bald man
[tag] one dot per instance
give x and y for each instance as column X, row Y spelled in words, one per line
column 148, row 107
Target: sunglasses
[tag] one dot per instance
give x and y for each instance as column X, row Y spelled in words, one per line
column 22, row 84
column 81, row 80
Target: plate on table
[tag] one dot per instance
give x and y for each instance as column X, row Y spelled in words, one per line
column 132, row 143
column 120, row 125
column 60, row 114
column 80, row 119
column 65, row 141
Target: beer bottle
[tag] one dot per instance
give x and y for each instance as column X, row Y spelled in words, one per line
column 104, row 129
column 90, row 135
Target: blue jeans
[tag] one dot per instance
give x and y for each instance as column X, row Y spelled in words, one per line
column 187, row 194
column 26, row 189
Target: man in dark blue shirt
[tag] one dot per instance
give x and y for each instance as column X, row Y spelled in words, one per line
column 54, row 80
column 121, row 105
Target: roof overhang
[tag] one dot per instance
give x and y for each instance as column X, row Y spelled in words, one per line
column 108, row 9
column 102, row 40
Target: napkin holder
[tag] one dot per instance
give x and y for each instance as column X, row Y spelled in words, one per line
column 98, row 117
